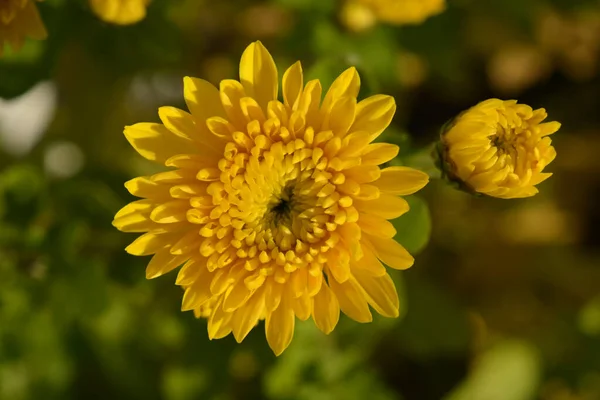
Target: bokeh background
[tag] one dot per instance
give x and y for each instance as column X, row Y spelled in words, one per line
column 503, row 302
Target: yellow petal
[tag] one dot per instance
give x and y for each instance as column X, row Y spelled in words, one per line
column 136, row 207
column 170, row 212
column 374, row 115
column 376, row 226
column 341, row 116
column 308, row 104
column 292, row 85
column 381, row 292
column 155, row 142
column 302, row 307
column 386, row 206
column 187, row 243
column 219, row 323
column 146, row 188
column 338, row 263
column 231, row 92
column 363, row 173
column 326, row 309
column 163, row 262
column 352, row 300
column 190, row 271
column 401, row 180
column 279, row 326
column 236, row 296
column 345, row 85
column 369, row 263
column 258, row 74
column 273, row 294
column 350, row 234
column 391, row 253
column 247, row 316
column 199, row 291
column 354, row 144
column 135, row 217
column 150, row 243
column 179, row 122
column 379, row 153
column 202, row 98
column 548, row 128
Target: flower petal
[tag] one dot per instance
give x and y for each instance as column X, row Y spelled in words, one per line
column 379, row 153
column 345, row 85
column 155, row 142
column 376, row 226
column 202, row 98
column 247, row 316
column 386, row 206
column 219, row 323
column 391, row 252
column 326, row 310
column 302, row 307
column 381, row 292
column 279, row 326
column 150, row 243
column 163, row 262
column 292, row 85
column 146, row 188
column 341, row 117
column 374, row 115
column 401, row 180
column 258, row 74
column 369, row 263
column 352, row 300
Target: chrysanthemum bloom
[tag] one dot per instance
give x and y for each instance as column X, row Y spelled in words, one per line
column 120, row 12
column 499, row 148
column 362, row 14
column 276, row 209
column 19, row 19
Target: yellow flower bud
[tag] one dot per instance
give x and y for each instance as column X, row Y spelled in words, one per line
column 498, row 148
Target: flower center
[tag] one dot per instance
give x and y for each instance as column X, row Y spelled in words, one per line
column 281, row 209
column 504, row 141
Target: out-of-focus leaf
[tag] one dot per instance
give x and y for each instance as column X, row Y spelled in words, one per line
column 183, row 382
column 510, row 370
column 589, row 317
column 413, row 229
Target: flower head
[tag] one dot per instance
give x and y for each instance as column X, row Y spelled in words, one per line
column 120, row 12
column 278, row 210
column 361, row 14
column 499, row 148
column 19, row 19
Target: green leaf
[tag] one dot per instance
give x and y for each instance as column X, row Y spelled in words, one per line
column 510, row 370
column 589, row 318
column 414, row 227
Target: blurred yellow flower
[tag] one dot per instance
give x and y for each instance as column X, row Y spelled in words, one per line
column 499, row 148
column 120, row 12
column 362, row 14
column 19, row 19
column 278, row 210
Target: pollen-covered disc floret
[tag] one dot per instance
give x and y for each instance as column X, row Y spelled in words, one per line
column 499, row 148
column 19, row 19
column 278, row 210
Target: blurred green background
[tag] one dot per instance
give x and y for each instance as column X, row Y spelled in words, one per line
column 503, row 302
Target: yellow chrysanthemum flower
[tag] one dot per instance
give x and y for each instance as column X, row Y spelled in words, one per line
column 19, row 19
column 362, row 14
column 499, row 148
column 276, row 209
column 120, row 12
